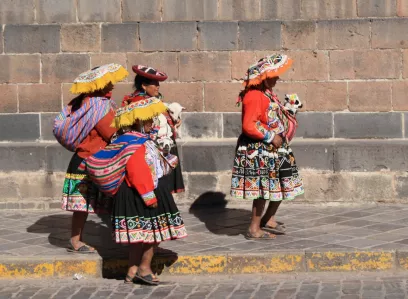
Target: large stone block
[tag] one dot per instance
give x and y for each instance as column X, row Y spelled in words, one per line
column 47, row 98
column 299, row 35
column 311, row 154
column 81, row 38
column 406, row 125
column 48, row 186
column 263, row 35
column 201, row 125
column 190, row 95
column 8, row 187
column 402, row 8
column 32, row 39
column 174, row 36
column 11, row 157
column 401, row 186
column 367, row 125
column 55, row 11
column 333, row 9
column 221, row 97
column 371, row 155
column 63, row 67
column 240, row 61
column 280, row 9
column 315, row 125
column 399, row 96
column 57, row 158
column 317, row 96
column 8, row 103
column 20, row 68
column 214, row 156
column 199, row 184
column 17, row 12
column 205, row 66
column 186, row 10
column 232, row 125
column 344, row 34
column 19, row 127
column 106, row 58
column 120, row 38
column 369, row 96
column 405, row 64
column 99, row 11
column 239, row 10
column 377, row 8
column 390, row 33
column 120, row 91
column 308, row 65
column 141, row 10
column 47, row 123
column 167, row 62
column 215, row 36
column 358, row 64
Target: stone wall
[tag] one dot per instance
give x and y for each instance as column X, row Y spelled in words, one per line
column 350, row 70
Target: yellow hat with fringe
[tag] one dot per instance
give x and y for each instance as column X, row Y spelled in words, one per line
column 98, row 78
column 141, row 110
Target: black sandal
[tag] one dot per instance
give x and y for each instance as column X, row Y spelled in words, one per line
column 279, row 229
column 84, row 249
column 129, row 280
column 264, row 236
column 148, row 279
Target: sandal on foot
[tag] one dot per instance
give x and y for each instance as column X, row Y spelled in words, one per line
column 278, row 229
column 265, row 236
column 149, row 279
column 129, row 280
column 83, row 249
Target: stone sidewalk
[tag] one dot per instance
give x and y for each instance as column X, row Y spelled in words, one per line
column 369, row 237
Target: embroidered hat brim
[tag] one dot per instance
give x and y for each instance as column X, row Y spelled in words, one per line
column 98, row 78
column 267, row 67
column 141, row 110
column 149, row 72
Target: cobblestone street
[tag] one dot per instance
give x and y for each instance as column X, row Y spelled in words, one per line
column 329, row 286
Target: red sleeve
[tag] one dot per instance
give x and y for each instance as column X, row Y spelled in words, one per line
column 139, row 176
column 103, row 127
column 252, row 109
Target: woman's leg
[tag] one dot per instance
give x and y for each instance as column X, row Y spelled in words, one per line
column 269, row 217
column 77, row 229
column 135, row 255
column 257, row 210
column 145, row 267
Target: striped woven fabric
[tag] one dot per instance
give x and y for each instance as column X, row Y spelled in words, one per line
column 107, row 168
column 71, row 127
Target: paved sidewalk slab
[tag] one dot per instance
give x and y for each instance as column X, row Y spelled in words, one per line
column 319, row 238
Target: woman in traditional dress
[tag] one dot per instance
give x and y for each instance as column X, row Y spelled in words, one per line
column 132, row 170
column 147, row 84
column 264, row 166
column 93, row 114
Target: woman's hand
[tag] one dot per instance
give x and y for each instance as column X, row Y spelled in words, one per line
column 153, row 206
column 277, row 141
column 178, row 123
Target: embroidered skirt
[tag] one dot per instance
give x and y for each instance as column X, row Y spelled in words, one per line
column 79, row 194
column 134, row 222
column 175, row 178
column 262, row 172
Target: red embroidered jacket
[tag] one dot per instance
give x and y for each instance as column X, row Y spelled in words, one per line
column 260, row 119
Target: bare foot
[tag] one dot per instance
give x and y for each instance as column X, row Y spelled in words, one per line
column 79, row 244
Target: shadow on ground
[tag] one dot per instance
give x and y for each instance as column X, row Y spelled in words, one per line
column 211, row 209
column 98, row 234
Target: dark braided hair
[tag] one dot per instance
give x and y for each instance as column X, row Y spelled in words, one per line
column 140, row 80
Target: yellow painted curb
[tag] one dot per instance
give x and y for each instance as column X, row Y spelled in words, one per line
column 244, row 263
column 350, row 261
column 268, row 263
